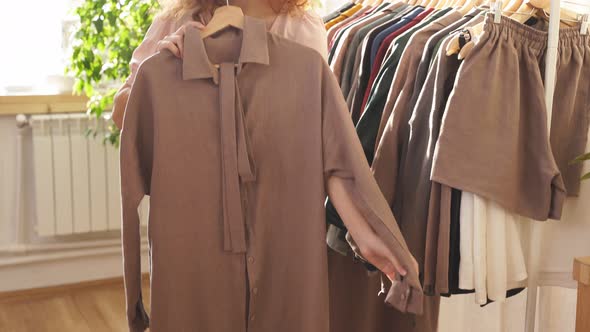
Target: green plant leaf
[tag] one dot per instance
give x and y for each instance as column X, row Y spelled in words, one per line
column 585, row 176
column 579, row 159
column 108, row 33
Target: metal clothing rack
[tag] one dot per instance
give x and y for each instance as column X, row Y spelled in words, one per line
column 536, row 233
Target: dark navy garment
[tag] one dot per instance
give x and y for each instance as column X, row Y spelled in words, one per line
column 383, row 34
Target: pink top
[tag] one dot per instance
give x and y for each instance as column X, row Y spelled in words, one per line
column 305, row 28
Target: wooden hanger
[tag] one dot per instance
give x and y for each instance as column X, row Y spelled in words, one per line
column 567, row 17
column 468, row 6
column 513, row 5
column 524, row 12
column 442, row 4
column 460, row 3
column 224, row 17
column 429, row 3
column 423, row 3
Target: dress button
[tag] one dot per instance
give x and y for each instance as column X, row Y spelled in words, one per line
column 255, row 290
column 250, row 259
column 252, row 317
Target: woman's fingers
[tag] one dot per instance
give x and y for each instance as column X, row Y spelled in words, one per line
column 175, row 41
column 381, row 257
column 178, row 41
column 391, row 266
column 389, row 270
column 196, row 24
column 168, row 45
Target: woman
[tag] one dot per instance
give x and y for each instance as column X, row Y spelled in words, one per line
column 288, row 19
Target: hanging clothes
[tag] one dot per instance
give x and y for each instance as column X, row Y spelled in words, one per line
column 249, row 237
column 415, row 170
column 346, row 15
column 347, row 316
column 388, row 153
column 405, row 96
column 361, row 74
column 345, row 43
column 492, row 217
column 337, row 12
column 521, row 172
column 353, row 48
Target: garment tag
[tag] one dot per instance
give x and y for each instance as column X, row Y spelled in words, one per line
column 497, row 12
column 585, row 24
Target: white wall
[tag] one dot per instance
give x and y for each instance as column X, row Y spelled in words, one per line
column 7, row 176
column 44, row 262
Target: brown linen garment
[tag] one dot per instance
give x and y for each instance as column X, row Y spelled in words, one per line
column 493, row 140
column 235, row 166
column 388, row 150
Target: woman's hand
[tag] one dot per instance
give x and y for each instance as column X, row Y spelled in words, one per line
column 375, row 251
column 371, row 247
column 175, row 41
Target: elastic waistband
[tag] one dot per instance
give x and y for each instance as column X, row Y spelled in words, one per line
column 533, row 37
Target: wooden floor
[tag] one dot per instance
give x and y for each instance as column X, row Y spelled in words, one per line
column 95, row 307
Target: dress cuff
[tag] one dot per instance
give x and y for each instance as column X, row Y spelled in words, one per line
column 138, row 325
column 404, row 298
column 141, row 321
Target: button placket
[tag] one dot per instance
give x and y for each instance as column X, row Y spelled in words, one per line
column 253, row 289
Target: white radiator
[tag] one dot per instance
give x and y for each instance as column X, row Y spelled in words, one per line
column 77, row 188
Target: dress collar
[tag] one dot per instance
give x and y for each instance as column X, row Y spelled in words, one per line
column 254, row 49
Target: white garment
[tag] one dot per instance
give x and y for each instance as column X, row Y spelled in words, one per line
column 506, row 265
column 562, row 240
column 466, row 242
column 479, row 250
column 496, row 260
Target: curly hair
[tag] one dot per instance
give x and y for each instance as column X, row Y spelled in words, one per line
column 178, row 7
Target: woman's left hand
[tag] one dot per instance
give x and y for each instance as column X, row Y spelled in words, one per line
column 371, row 247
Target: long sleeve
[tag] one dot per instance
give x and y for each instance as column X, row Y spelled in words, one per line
column 136, row 163
column 343, row 156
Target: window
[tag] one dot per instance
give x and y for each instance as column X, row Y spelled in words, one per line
column 34, row 49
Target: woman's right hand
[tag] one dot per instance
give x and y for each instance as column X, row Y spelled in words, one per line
column 175, row 41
